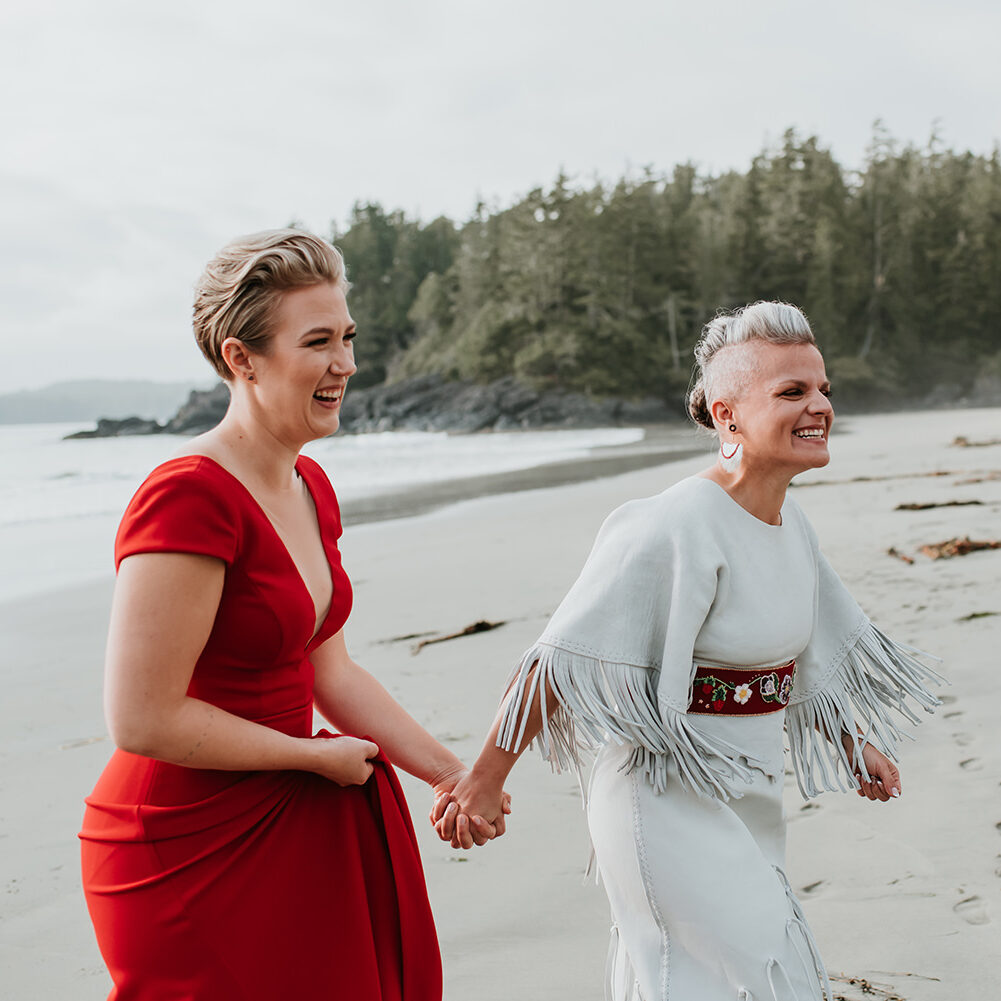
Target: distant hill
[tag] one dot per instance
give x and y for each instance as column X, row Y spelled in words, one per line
column 89, row 399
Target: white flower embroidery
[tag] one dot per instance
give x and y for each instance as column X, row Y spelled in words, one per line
column 741, row 693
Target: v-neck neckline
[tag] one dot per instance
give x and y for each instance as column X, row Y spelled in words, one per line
column 320, row 623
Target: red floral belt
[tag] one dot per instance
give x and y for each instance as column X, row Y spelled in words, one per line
column 741, row 691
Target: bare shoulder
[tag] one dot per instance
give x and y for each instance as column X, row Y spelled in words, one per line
column 207, row 444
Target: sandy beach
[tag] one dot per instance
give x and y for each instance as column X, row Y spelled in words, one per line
column 904, row 895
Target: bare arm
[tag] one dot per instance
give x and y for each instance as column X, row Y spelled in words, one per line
column 355, row 702
column 479, row 794
column 161, row 618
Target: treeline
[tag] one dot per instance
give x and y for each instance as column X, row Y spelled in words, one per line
column 605, row 288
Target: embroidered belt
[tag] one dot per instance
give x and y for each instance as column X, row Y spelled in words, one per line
column 741, row 691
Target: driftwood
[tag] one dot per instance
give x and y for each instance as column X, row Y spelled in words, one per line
column 903, row 557
column 863, row 988
column 962, row 442
column 930, row 505
column 875, row 479
column 987, row 477
column 483, row 626
column 957, row 547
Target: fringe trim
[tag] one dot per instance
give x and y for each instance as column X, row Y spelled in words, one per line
column 603, row 700
column 813, row 965
column 873, row 682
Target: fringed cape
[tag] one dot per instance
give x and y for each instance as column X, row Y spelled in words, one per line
column 617, row 655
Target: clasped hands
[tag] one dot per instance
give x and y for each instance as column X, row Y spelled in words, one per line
column 469, row 810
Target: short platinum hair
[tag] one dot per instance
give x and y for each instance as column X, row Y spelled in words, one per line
column 241, row 288
column 772, row 322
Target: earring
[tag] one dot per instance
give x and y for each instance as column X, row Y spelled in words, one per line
column 250, row 378
column 730, row 461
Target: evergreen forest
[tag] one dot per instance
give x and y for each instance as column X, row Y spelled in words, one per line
column 603, row 288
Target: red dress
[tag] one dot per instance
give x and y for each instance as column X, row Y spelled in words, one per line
column 252, row 886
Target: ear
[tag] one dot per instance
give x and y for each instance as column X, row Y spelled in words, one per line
column 238, row 358
column 721, row 413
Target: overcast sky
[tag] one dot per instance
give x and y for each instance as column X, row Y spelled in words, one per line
column 137, row 138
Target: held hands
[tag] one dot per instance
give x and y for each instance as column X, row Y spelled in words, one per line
column 884, row 774
column 469, row 811
column 344, row 760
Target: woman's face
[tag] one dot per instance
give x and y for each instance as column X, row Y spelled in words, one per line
column 300, row 382
column 784, row 415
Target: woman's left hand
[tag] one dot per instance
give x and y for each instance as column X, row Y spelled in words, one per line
column 884, row 775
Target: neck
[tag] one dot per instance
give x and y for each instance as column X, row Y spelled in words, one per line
column 760, row 492
column 255, row 446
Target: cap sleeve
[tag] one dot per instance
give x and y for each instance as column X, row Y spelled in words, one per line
column 184, row 506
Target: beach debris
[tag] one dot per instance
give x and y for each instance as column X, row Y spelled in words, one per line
column 903, row 557
column 876, row 479
column 931, row 504
column 957, row 547
column 407, row 636
column 83, row 742
column 984, row 477
column 482, row 626
column 860, row 988
column 976, row 615
column 961, row 441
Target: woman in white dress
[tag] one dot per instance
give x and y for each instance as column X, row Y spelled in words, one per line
column 704, row 623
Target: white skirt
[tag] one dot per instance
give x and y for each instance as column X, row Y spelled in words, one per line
column 701, row 907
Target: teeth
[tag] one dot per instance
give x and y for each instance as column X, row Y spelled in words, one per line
column 809, row 433
column 327, row 394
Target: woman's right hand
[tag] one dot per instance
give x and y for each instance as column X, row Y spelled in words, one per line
column 344, row 760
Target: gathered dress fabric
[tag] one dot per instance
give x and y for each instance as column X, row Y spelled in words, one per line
column 681, row 593
column 208, row 885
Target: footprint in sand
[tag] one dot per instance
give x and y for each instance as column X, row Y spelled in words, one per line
column 953, row 714
column 971, row 765
column 963, row 739
column 972, row 911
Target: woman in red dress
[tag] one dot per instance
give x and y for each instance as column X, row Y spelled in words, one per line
column 228, row 852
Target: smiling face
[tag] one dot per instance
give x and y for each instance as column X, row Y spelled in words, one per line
column 299, row 382
column 783, row 411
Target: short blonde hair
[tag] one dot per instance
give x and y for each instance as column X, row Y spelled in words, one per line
column 242, row 286
column 773, row 322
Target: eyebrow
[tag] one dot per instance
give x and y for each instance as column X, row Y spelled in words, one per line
column 799, row 384
column 329, row 331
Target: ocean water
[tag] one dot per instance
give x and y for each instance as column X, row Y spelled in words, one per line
column 60, row 501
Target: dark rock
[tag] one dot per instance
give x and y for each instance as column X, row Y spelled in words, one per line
column 204, row 409
column 114, row 428
column 430, row 403
column 426, row 403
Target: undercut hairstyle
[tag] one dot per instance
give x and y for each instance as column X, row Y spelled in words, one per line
column 718, row 370
column 241, row 288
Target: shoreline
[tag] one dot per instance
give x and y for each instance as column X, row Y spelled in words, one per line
column 659, row 446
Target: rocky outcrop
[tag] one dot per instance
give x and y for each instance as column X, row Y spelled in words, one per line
column 430, row 403
column 202, row 411
column 107, row 428
column 424, row 403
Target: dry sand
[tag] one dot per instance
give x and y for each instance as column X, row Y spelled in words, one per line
column 905, row 894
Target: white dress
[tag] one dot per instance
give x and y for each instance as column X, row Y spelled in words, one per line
column 685, row 809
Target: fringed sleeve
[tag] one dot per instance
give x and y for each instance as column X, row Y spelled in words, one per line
column 600, row 700
column 851, row 676
column 617, row 653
